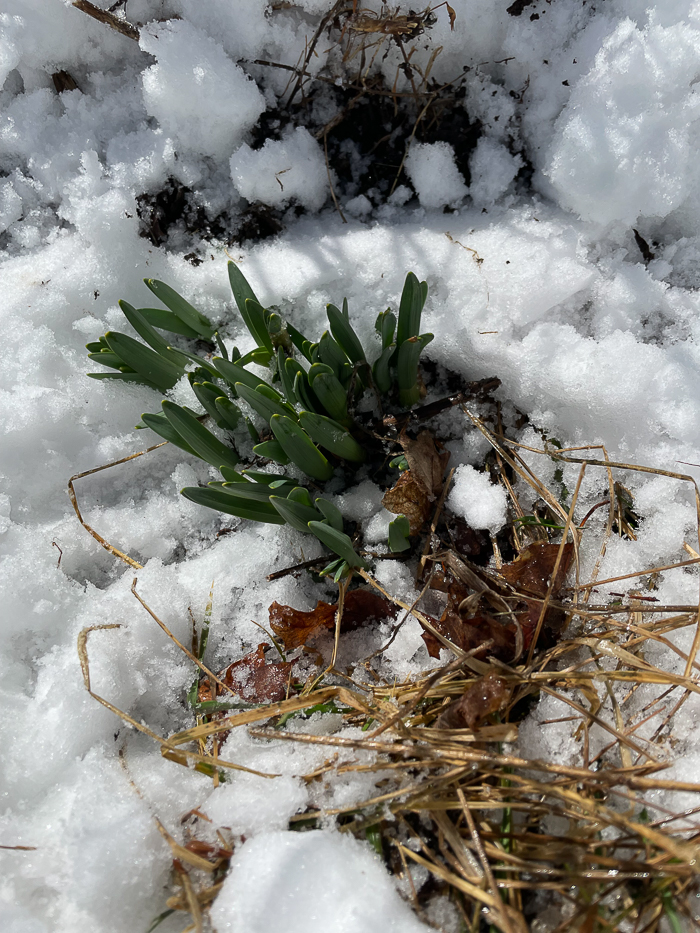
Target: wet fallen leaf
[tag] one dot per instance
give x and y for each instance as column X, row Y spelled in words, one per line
column 499, row 640
column 208, row 850
column 408, row 497
column 257, row 681
column 486, row 696
column 426, row 464
column 532, row 569
column 295, row 627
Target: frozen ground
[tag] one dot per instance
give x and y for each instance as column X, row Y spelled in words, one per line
column 590, row 126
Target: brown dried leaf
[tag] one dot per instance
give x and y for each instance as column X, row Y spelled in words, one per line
column 486, row 696
column 408, row 497
column 256, row 681
column 468, row 634
column 426, row 465
column 452, row 15
column 532, row 569
column 295, row 628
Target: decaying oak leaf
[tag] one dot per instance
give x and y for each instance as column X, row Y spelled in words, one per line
column 408, row 497
column 295, row 627
column 426, row 464
column 532, row 569
column 256, row 681
column 499, row 640
column 487, row 695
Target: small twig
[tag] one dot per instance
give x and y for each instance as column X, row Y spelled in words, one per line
column 60, row 552
column 304, row 565
column 330, row 179
column 109, row 19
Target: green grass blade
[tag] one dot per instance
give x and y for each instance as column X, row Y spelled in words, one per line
column 187, row 313
column 203, row 442
column 300, row 449
column 329, row 434
column 222, row 501
column 240, row 286
column 338, row 542
column 144, row 361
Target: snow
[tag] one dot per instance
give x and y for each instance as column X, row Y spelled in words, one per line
column 587, row 124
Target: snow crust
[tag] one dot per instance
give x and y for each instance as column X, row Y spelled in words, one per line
column 588, row 129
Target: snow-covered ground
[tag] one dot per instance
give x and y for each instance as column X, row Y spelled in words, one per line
column 589, row 118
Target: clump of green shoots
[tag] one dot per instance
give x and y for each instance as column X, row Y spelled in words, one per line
column 308, row 401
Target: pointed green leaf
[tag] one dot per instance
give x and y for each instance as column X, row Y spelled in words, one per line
column 107, row 358
column 330, row 353
column 305, row 394
column 95, row 347
column 252, row 430
column 331, row 513
column 257, row 491
column 299, row 448
column 239, row 286
column 229, row 412
column 222, row 501
column 385, row 327
column 166, row 320
column 144, row 361
column 272, row 450
column 381, row 371
column 125, row 377
column 332, row 568
column 345, row 336
column 301, row 495
column 268, row 478
column 338, row 542
column 234, row 372
column 261, row 404
column 187, row 313
column 231, row 475
column 203, row 442
column 410, row 309
column 316, row 369
column 160, row 425
column 221, row 345
column 151, row 336
column 333, row 397
column 253, row 314
column 299, row 341
column 294, row 513
column 407, row 369
column 258, row 355
column 331, row 435
column 207, row 394
column 286, row 377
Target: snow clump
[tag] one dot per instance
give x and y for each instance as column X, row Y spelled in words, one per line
column 434, row 174
column 477, row 500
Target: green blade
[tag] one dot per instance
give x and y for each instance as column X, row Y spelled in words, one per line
column 107, row 358
column 151, row 336
column 166, row 320
column 234, row 372
column 228, row 412
column 294, row 513
column 410, row 309
column 253, row 314
column 258, row 355
column 306, row 395
column 240, row 286
column 258, row 492
column 215, row 498
column 330, row 353
column 332, row 514
column 299, row 448
column 344, row 335
column 231, row 475
column 333, row 397
column 398, row 534
column 202, row 364
column 381, row 371
column 95, row 347
column 331, row 435
column 299, row 341
column 207, row 394
column 272, row 450
column 338, row 542
column 385, row 326
column 301, row 495
column 286, row 377
column 187, row 313
column 125, row 377
column 261, row 404
column 407, row 369
column 267, row 478
column 144, row 361
column 203, row 442
column 160, row 425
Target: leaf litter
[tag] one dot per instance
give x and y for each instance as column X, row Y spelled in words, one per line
column 454, row 796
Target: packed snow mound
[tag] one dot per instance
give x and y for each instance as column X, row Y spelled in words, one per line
column 288, row 880
column 492, row 169
column 623, row 146
column 291, row 168
column 197, row 94
column 434, row 174
column 477, row 500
